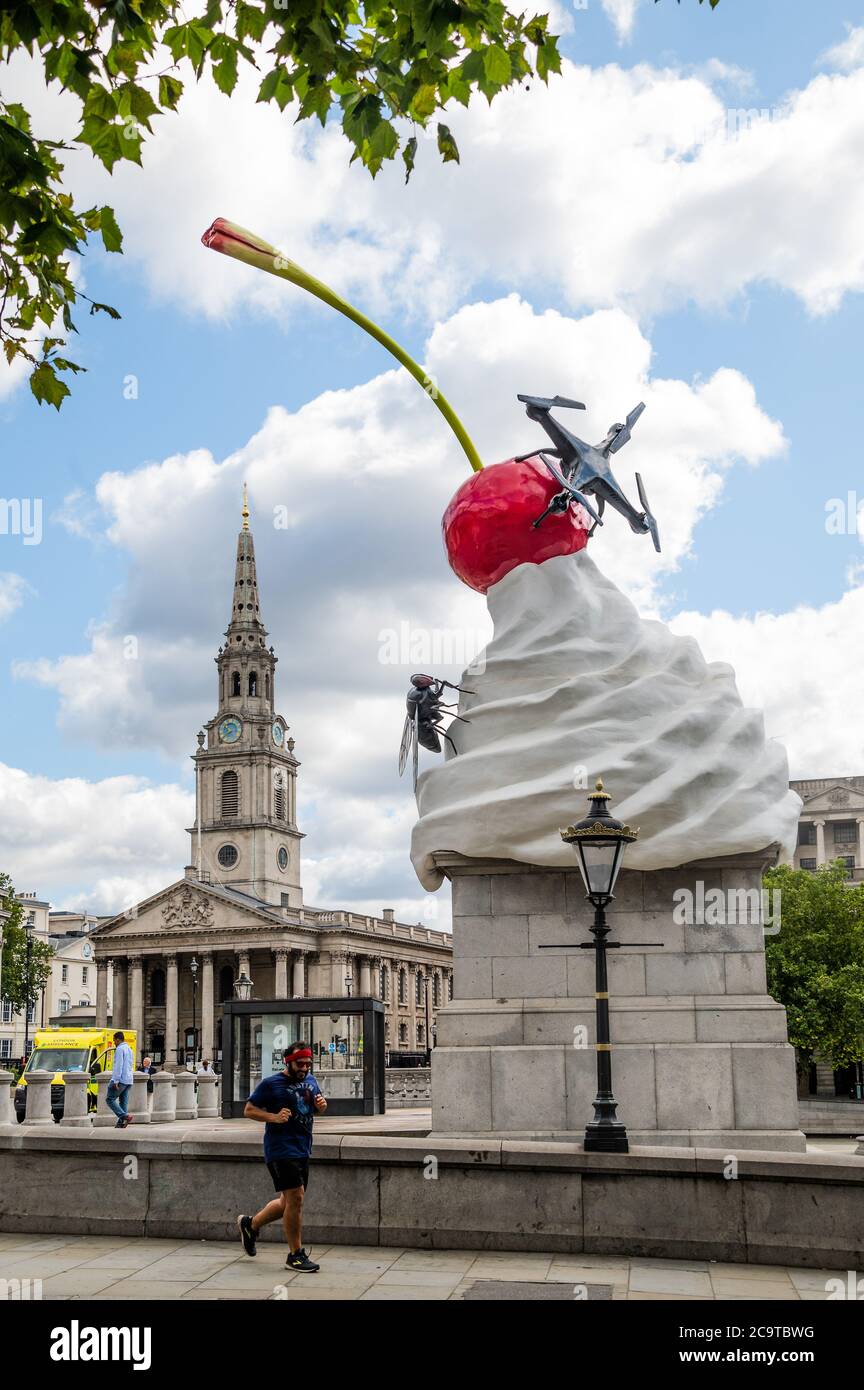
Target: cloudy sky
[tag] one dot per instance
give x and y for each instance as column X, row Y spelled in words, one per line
column 677, row 219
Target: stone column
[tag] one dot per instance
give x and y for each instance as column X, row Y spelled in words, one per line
column 136, row 999
column 7, row 1107
column 860, row 820
column 208, row 1108
column 164, row 1098
column 102, row 994
column 365, row 977
column 820, row 841
column 75, row 1097
column 299, row 990
column 338, row 963
column 171, row 1011
column 38, row 1110
column 139, row 1106
column 281, row 987
column 103, row 1117
column 375, row 976
column 120, row 992
column 187, row 1108
column 207, row 1018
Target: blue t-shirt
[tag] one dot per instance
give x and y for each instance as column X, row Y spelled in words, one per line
column 294, row 1138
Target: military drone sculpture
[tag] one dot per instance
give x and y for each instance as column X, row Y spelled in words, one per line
column 585, row 467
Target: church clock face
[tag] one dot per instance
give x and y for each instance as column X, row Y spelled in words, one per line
column 278, row 734
column 230, row 730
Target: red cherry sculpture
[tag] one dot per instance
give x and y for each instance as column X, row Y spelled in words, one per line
column 487, row 525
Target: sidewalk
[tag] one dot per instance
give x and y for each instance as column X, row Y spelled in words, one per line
column 102, row 1268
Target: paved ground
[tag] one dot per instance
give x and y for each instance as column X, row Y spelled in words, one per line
column 104, row 1267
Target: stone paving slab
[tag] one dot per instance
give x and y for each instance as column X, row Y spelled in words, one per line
column 86, row 1268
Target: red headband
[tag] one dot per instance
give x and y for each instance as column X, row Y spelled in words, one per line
column 300, row 1052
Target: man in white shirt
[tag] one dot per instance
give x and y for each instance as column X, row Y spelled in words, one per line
column 121, row 1081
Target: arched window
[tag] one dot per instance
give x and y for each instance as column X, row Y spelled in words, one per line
column 436, row 990
column 403, row 992
column 157, row 988
column 385, row 983
column 267, row 684
column 420, row 1038
column 235, row 683
column 403, row 1032
column 253, row 682
column 279, row 797
column 418, row 987
column 450, row 986
column 226, row 983
column 230, row 794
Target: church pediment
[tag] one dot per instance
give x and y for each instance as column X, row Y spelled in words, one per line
column 186, row 906
column 836, row 799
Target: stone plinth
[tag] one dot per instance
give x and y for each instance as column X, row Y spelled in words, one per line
column 700, row 1053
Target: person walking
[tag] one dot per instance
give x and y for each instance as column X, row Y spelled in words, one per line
column 286, row 1104
column 120, row 1085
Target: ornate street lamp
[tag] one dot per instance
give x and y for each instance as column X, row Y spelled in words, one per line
column 600, row 842
column 29, row 927
column 243, row 987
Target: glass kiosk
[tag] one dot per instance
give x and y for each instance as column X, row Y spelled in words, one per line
column 347, row 1040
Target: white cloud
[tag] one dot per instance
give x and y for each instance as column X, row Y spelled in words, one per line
column 363, row 476
column 101, row 845
column 629, row 179
column 849, row 54
column 803, row 668
column 622, row 13
column 13, row 590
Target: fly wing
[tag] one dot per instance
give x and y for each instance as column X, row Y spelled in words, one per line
column 409, row 729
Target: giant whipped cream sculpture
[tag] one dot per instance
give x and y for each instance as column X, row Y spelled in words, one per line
column 574, row 684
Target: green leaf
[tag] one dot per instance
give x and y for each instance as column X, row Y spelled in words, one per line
column 47, row 386
column 425, row 101
column 447, row 145
column 548, row 59
column 112, row 237
column 170, row 91
column 496, row 63
column 225, row 71
column 408, row 154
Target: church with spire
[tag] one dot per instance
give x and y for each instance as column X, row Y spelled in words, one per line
column 245, row 833
column 165, row 966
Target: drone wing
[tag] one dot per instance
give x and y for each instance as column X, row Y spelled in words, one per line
column 623, row 434
column 551, row 402
column 651, row 523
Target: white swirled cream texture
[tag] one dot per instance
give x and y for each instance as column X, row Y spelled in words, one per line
column 574, row 679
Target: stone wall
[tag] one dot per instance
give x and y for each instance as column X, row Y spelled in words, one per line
column 445, row 1194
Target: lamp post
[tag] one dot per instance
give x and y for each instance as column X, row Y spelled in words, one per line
column 425, row 979
column 193, row 966
column 600, row 842
column 28, row 927
column 243, row 987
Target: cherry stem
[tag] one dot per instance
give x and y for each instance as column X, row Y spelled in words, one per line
column 234, row 241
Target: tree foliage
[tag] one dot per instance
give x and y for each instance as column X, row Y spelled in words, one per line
column 16, row 983
column 816, row 961
column 384, row 69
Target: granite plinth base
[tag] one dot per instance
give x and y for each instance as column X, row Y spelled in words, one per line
column 700, row 1055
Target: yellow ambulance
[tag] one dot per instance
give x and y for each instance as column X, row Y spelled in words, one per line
column 71, row 1049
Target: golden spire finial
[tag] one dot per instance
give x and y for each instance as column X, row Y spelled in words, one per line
column 245, row 509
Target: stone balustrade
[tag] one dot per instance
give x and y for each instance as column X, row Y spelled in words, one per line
column 38, row 1109
column 76, row 1099
column 7, row 1105
column 408, row 1087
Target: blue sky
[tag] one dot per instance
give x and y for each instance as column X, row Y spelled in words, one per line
column 211, row 363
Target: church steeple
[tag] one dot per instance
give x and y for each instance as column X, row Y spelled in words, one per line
column 247, row 771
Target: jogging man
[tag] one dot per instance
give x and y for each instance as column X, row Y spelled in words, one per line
column 286, row 1104
column 120, row 1085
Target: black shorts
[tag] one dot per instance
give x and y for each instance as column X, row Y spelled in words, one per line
column 288, row 1173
